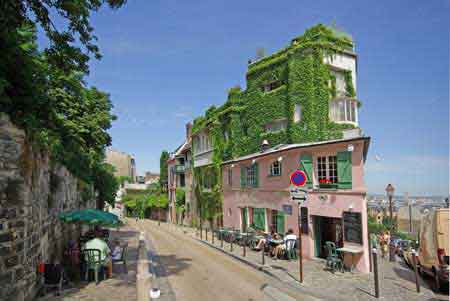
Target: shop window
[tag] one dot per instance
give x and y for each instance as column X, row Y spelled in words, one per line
column 275, row 169
column 327, row 170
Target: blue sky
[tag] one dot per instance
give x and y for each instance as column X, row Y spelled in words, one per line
column 166, row 61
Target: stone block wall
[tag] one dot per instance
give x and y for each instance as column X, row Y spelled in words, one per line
column 33, row 192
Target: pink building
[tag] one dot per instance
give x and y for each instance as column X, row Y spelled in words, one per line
column 257, row 192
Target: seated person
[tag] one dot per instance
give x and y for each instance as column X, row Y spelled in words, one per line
column 99, row 244
column 279, row 249
column 117, row 250
column 264, row 240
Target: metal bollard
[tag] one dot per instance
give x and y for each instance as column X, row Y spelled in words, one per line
column 212, row 235
column 414, row 258
column 221, row 239
column 391, row 253
column 262, row 253
column 206, row 231
column 245, row 242
column 375, row 273
column 231, row 243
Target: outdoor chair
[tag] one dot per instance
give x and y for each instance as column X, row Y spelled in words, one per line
column 53, row 277
column 289, row 251
column 93, row 262
column 333, row 262
column 122, row 259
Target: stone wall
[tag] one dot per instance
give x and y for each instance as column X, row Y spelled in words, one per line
column 33, row 192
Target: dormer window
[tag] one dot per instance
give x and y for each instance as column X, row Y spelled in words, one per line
column 275, row 169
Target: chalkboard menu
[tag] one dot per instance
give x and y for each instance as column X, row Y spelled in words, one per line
column 303, row 219
column 352, row 227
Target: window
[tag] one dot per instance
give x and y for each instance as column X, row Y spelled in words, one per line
column 271, row 86
column 276, row 126
column 275, row 169
column 251, row 176
column 230, row 177
column 182, row 180
column 327, row 170
column 297, row 113
column 340, row 83
column 343, row 110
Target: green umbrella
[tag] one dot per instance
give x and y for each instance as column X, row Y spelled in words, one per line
column 91, row 217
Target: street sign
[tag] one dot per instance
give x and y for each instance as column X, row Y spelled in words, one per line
column 287, row 209
column 297, row 194
column 298, row 178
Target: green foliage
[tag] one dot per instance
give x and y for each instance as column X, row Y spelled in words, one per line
column 350, row 90
column 122, row 179
column 105, row 184
column 180, row 196
column 49, row 98
column 163, row 172
column 209, row 199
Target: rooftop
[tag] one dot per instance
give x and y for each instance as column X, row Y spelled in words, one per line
column 284, row 147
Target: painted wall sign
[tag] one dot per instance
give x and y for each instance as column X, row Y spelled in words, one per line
column 298, row 178
column 287, row 209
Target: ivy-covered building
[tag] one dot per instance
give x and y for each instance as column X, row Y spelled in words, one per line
column 305, row 92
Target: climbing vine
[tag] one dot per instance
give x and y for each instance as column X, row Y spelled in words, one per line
column 302, row 78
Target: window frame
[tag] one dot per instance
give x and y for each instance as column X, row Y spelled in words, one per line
column 250, row 175
column 230, row 177
column 299, row 119
column 272, row 169
column 326, row 171
column 343, row 110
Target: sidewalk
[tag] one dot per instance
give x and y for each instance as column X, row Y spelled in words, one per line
column 118, row 288
column 396, row 280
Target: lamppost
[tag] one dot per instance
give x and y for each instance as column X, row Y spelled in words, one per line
column 390, row 193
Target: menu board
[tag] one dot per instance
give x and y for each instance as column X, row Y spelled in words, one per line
column 303, row 219
column 352, row 227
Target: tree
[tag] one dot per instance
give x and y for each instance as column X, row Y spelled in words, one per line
column 106, row 185
column 163, row 173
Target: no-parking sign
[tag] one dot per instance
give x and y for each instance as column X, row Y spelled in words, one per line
column 298, row 178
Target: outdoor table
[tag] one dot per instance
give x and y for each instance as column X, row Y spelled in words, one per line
column 353, row 251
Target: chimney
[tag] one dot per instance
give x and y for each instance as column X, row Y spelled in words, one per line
column 264, row 146
column 188, row 130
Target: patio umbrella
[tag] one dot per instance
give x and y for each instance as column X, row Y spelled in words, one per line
column 91, row 217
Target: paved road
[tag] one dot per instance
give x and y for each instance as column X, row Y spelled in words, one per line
column 197, row 272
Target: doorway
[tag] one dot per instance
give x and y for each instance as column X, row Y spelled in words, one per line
column 326, row 229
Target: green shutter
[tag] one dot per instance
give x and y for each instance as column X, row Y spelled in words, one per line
column 242, row 176
column 280, row 222
column 306, row 164
column 256, row 174
column 244, row 219
column 259, row 218
column 344, row 170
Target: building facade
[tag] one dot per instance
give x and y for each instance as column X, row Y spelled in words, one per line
column 305, row 92
column 182, row 204
column 124, row 163
column 256, row 192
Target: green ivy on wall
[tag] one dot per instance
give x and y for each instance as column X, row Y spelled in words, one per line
column 239, row 126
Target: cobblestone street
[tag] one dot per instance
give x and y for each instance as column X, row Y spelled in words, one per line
column 396, row 279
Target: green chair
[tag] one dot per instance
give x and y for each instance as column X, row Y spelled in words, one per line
column 93, row 262
column 289, row 251
column 334, row 262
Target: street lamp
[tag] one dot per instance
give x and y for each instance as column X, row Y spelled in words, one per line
column 390, row 193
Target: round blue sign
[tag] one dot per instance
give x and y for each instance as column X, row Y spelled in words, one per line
column 298, row 178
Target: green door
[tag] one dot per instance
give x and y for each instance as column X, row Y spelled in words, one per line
column 259, row 218
column 317, row 235
column 280, row 222
column 244, row 219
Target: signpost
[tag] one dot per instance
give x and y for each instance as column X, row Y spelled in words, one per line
column 298, row 179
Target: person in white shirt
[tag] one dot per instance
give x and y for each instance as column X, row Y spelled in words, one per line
column 280, row 248
column 117, row 250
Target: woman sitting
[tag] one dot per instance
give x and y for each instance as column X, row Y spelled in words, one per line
column 264, row 240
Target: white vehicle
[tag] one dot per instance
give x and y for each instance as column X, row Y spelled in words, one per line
column 434, row 245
